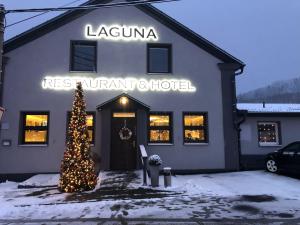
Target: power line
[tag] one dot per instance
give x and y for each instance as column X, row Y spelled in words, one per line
column 89, row 7
column 40, row 14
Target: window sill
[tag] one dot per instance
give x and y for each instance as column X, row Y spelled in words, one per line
column 167, row 73
column 197, row 144
column 270, row 145
column 75, row 71
column 33, row 145
column 160, row 144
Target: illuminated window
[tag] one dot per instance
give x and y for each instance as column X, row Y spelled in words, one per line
column 83, row 56
column 268, row 133
column 90, row 122
column 160, row 127
column 195, row 127
column 34, row 127
column 159, row 58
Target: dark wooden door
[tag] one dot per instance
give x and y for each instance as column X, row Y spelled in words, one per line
column 123, row 142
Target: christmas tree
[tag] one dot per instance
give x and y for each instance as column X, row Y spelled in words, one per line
column 77, row 169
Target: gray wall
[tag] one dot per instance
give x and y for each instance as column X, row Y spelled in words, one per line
column 49, row 55
column 253, row 155
column 290, row 127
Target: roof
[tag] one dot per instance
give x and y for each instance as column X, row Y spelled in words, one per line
column 150, row 10
column 269, row 108
column 101, row 106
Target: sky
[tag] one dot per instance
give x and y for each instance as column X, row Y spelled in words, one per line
column 264, row 34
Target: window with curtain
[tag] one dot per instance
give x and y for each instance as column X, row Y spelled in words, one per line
column 160, row 127
column 34, row 127
column 195, row 127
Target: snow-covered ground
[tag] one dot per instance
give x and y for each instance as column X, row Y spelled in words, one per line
column 252, row 195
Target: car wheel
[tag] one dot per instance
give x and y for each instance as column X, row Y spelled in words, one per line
column 271, row 166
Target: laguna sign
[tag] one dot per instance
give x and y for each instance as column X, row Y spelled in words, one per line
column 121, row 33
column 118, row 84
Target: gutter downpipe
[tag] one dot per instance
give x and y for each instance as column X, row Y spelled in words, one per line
column 238, row 122
column 4, row 62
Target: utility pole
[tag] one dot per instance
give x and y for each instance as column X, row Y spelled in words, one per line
column 2, row 15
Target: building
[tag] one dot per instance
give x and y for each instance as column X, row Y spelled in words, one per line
column 266, row 128
column 148, row 80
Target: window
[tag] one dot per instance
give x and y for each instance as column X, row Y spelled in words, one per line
column 90, row 122
column 268, row 133
column 294, row 147
column 195, row 127
column 83, row 56
column 34, row 127
column 160, row 127
column 159, row 58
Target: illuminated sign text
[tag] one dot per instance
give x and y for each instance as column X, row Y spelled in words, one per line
column 120, row 84
column 124, row 33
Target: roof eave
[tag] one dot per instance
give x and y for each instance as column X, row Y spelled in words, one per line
column 191, row 35
column 150, row 10
column 46, row 27
column 102, row 105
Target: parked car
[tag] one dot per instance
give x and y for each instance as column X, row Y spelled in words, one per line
column 287, row 158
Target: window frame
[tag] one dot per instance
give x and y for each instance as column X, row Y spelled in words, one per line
column 93, row 113
column 169, row 128
column 203, row 127
column 83, row 42
column 23, row 127
column 170, row 57
column 278, row 135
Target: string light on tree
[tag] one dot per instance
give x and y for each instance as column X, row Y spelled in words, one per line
column 77, row 169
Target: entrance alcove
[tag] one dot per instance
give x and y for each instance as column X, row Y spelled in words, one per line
column 123, row 127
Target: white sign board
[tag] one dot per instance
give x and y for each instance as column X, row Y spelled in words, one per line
column 120, row 33
column 119, row 84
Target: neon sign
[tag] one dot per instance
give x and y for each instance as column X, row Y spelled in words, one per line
column 121, row 33
column 119, row 84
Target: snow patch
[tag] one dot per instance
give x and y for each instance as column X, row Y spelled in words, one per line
column 269, row 108
column 41, row 180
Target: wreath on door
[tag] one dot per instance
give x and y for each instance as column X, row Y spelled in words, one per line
column 125, row 133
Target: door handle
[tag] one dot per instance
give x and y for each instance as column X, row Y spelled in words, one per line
column 133, row 144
